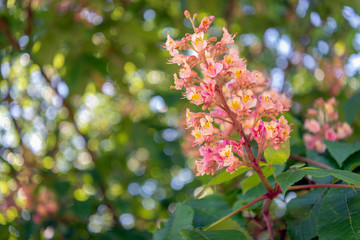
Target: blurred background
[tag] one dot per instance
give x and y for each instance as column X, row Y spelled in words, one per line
column 91, row 134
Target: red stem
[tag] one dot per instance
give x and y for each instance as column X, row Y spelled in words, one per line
column 307, row 160
column 322, row 186
column 265, row 212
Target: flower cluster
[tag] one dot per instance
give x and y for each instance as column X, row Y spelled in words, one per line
column 322, row 124
column 237, row 106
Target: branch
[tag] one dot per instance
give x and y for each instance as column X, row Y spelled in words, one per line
column 5, row 29
column 307, row 160
column 299, row 187
column 258, row 199
column 265, row 213
column 29, row 19
column 229, row 13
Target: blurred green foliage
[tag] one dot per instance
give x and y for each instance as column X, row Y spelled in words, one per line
column 90, row 131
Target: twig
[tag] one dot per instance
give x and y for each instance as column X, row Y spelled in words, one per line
column 299, row 187
column 307, row 160
column 258, row 199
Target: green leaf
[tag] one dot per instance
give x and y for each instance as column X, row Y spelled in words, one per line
column 339, row 215
column 214, row 235
column 277, row 157
column 325, row 159
column 230, row 224
column 288, row 178
column 227, row 176
column 209, row 210
column 301, row 215
column 346, row 176
column 352, row 162
column 341, row 151
column 351, row 107
column 182, row 219
column 254, row 179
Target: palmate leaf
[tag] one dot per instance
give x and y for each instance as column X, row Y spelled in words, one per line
column 288, row 178
column 330, row 214
column 214, row 235
column 341, row 151
column 182, row 219
column 209, row 210
column 339, row 215
column 301, row 215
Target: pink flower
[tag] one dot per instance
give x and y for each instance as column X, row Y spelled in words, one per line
column 266, row 102
column 199, row 137
column 320, row 146
column 248, row 99
column 212, row 68
column 208, row 91
column 198, row 42
column 235, row 105
column 258, row 131
column 248, row 124
column 205, row 23
column 207, row 127
column 309, row 141
column 227, row 38
column 193, row 95
column 179, row 83
column 272, row 129
column 330, row 135
column 186, row 71
column 344, row 130
column 312, row 125
column 170, row 44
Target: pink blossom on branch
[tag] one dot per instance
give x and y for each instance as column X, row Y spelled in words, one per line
column 322, row 123
column 235, row 101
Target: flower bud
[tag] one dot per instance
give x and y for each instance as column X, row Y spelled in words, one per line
column 187, row 14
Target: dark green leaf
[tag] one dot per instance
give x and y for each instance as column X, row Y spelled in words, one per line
column 341, row 151
column 346, row 176
column 325, row 159
column 339, row 215
column 352, row 162
column 301, row 215
column 209, row 210
column 351, row 107
column 182, row 219
column 214, row 235
column 288, row 178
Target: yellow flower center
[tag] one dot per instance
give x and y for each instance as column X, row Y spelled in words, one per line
column 246, row 98
column 228, row 59
column 239, row 73
column 235, row 104
column 195, row 96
